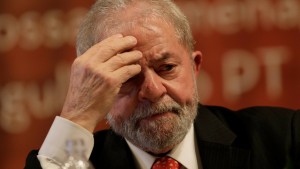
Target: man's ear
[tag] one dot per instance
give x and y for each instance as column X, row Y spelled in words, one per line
column 197, row 60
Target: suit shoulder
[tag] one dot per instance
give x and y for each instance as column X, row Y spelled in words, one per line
column 254, row 113
column 271, row 120
column 275, row 115
column 222, row 113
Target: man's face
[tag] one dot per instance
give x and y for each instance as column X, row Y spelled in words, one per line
column 155, row 109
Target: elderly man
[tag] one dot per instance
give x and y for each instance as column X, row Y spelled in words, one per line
column 137, row 68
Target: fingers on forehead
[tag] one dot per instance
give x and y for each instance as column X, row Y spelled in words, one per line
column 116, row 44
column 112, row 46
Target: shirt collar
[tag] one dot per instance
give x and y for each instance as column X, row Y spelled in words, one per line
column 185, row 153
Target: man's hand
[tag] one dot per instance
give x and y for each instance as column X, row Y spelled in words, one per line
column 96, row 78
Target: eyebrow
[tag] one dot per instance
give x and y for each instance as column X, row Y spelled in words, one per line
column 162, row 57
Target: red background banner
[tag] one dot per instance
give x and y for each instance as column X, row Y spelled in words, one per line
column 250, row 48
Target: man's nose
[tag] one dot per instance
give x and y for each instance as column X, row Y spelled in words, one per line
column 152, row 88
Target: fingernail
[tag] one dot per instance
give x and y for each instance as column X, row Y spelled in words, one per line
column 140, row 54
column 118, row 35
column 132, row 39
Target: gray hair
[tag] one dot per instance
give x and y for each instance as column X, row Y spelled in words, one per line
column 103, row 17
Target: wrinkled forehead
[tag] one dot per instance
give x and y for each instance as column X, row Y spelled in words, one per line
column 138, row 15
column 143, row 29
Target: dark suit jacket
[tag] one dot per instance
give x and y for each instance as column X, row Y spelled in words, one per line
column 252, row 138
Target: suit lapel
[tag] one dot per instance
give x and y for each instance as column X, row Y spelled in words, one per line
column 215, row 143
column 216, row 156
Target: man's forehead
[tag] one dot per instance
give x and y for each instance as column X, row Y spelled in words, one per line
column 134, row 10
column 137, row 14
column 138, row 28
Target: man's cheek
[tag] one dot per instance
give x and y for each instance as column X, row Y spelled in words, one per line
column 184, row 94
column 124, row 106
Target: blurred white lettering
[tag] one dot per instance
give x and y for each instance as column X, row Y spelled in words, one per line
column 242, row 70
column 273, row 59
column 288, row 14
column 9, row 32
column 53, row 29
column 14, row 118
column 31, row 33
column 240, row 73
column 18, row 100
column 232, row 16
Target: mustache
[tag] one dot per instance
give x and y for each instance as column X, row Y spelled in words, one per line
column 148, row 109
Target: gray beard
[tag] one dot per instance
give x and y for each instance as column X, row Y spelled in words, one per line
column 160, row 134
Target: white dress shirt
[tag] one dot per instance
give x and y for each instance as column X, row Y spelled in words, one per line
column 52, row 152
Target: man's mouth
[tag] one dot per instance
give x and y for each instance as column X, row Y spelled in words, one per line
column 158, row 116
